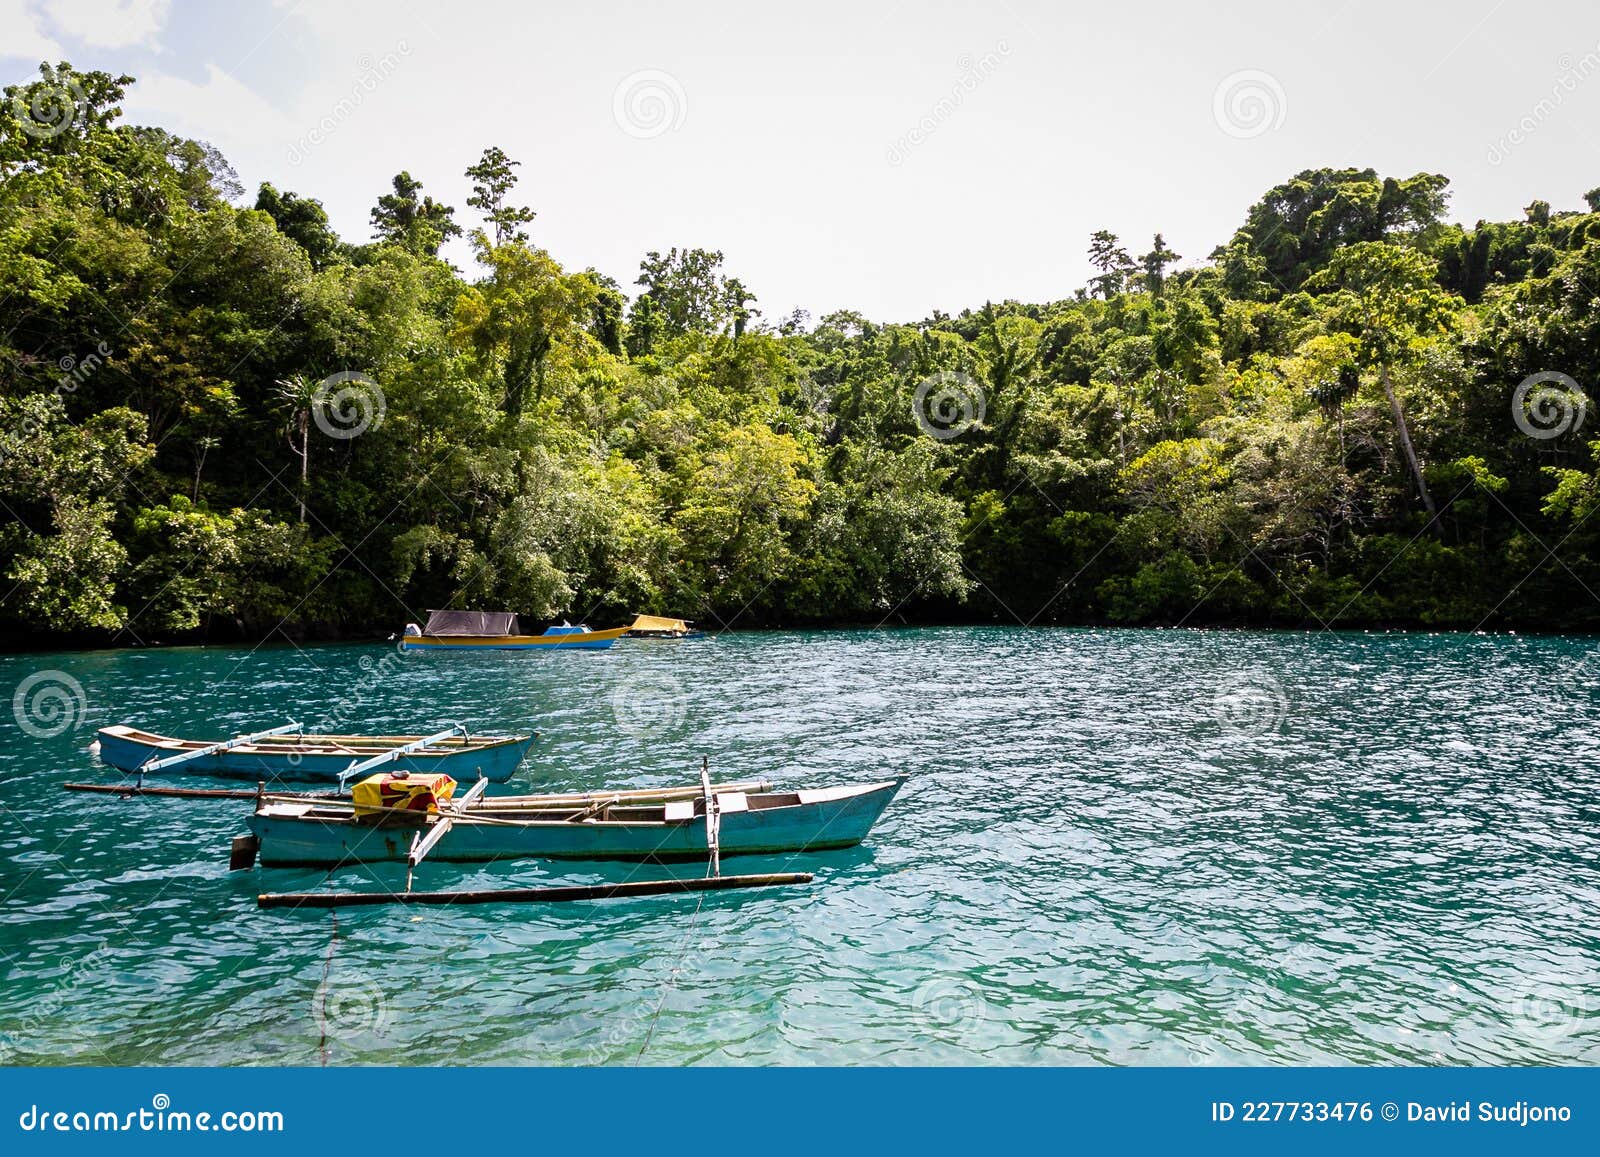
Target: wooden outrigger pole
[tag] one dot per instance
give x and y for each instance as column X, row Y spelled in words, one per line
column 555, row 801
column 713, row 817
column 131, row 789
column 404, row 749
column 212, row 749
column 531, row 895
column 421, row 844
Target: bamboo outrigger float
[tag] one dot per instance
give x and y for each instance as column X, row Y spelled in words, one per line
column 569, row 892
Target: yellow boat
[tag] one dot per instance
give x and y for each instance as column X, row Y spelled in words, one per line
column 656, row 627
column 499, row 631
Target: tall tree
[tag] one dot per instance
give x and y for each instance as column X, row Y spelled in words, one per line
column 515, row 319
column 1390, row 298
column 737, row 303
column 492, row 182
column 1111, row 261
column 407, row 218
column 686, row 290
column 303, row 220
column 1155, row 264
column 1297, row 225
column 299, row 396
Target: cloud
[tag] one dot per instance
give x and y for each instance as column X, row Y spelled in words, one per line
column 22, row 35
column 221, row 110
column 112, row 23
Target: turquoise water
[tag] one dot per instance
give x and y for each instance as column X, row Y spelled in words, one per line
column 1116, row 847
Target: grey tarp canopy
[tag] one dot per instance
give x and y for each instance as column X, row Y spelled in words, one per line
column 472, row 623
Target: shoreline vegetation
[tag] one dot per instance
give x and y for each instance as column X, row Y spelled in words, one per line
column 84, row 645
column 222, row 422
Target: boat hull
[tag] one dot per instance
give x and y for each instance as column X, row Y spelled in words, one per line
column 497, row 762
column 587, row 641
column 835, row 818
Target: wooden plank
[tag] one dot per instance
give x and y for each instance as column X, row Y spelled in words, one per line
column 243, row 853
column 212, row 749
column 485, row 803
column 395, row 753
column 474, row 794
column 532, row 895
column 577, row 800
column 421, row 845
column 713, row 817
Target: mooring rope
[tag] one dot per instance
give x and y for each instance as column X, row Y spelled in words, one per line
column 672, row 978
column 327, row 971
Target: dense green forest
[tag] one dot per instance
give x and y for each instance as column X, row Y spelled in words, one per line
column 218, row 418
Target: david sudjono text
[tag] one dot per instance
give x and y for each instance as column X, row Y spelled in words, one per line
column 1519, row 1113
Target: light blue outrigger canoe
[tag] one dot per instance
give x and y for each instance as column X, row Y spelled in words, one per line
column 325, row 834
column 287, row 753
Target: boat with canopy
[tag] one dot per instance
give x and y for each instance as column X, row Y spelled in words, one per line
column 658, row 627
column 499, row 631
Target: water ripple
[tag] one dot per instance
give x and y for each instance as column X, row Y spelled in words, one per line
column 1117, row 847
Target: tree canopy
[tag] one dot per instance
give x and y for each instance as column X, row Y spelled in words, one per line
column 219, row 418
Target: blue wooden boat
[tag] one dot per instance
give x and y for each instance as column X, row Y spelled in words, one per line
column 318, row 833
column 286, row 753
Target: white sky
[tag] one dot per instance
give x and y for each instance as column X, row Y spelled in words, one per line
column 786, row 137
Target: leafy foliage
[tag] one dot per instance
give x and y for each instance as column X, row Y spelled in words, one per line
column 1313, row 426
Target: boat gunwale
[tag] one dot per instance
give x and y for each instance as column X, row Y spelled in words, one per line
column 329, row 744
column 484, row 817
column 609, row 634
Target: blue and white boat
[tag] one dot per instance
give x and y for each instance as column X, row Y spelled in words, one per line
column 287, row 753
column 318, row 833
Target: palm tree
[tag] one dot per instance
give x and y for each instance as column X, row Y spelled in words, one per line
column 300, row 396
